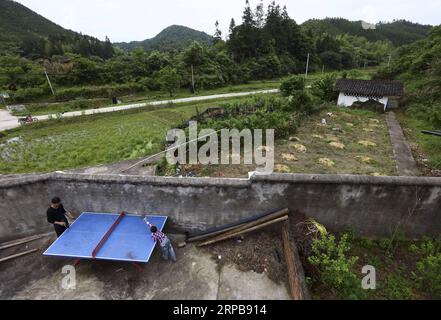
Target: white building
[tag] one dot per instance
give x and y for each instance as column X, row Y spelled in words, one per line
column 352, row 91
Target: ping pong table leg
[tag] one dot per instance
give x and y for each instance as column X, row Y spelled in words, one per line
column 138, row 266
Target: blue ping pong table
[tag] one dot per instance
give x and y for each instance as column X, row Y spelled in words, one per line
column 107, row 236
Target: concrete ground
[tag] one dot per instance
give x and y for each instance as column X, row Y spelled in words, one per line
column 405, row 162
column 7, row 121
column 196, row 276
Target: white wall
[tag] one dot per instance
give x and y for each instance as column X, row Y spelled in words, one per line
column 347, row 101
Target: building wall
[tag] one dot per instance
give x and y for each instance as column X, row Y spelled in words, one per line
column 373, row 206
column 347, row 101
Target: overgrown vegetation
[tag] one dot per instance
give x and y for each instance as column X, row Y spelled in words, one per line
column 404, row 269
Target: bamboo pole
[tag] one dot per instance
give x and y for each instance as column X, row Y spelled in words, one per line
column 242, row 226
column 18, row 255
column 14, row 243
column 296, row 274
column 235, row 234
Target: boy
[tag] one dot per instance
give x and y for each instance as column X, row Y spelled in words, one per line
column 164, row 242
column 56, row 214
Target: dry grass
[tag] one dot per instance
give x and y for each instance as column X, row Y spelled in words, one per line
column 352, row 142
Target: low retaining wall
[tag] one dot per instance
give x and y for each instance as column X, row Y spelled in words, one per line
column 373, row 206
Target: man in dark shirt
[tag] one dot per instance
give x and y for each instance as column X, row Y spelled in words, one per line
column 56, row 214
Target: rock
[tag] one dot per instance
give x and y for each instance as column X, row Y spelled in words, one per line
column 182, row 244
column 294, row 139
column 317, row 136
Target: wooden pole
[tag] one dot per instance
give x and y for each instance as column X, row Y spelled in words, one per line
column 307, row 66
column 296, row 274
column 240, row 227
column 18, row 255
column 23, row 241
column 232, row 235
column 49, row 81
column 192, row 78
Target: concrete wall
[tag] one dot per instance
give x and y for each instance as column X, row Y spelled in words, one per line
column 348, row 101
column 373, row 206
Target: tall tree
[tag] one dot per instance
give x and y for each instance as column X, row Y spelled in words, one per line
column 248, row 16
column 260, row 15
column 217, row 33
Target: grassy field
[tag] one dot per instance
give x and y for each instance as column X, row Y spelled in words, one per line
column 352, row 142
column 42, row 108
column 91, row 140
column 426, row 149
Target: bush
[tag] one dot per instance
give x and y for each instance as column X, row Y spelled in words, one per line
column 428, row 271
column 335, row 266
column 292, row 85
column 430, row 112
column 323, row 88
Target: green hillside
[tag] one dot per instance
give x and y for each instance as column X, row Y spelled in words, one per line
column 173, row 37
column 399, row 32
column 25, row 32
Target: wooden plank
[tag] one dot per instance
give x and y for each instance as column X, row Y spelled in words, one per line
column 232, row 235
column 296, row 274
column 18, row 255
column 234, row 227
column 244, row 226
column 14, row 243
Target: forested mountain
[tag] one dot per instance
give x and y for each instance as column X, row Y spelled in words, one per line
column 29, row 34
column 399, row 32
column 173, row 37
column 266, row 43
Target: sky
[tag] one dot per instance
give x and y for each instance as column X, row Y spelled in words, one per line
column 129, row 20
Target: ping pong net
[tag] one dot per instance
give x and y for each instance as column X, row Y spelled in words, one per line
column 107, row 235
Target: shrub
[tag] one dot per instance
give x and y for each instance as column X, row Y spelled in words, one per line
column 335, row 267
column 323, row 88
column 430, row 112
column 397, row 288
column 428, row 269
column 292, row 85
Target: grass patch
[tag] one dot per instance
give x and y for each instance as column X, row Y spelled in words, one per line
column 426, row 149
column 69, row 143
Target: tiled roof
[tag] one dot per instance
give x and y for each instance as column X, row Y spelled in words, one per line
column 370, row 87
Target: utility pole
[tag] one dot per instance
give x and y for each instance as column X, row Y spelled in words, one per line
column 192, row 77
column 49, row 81
column 307, row 66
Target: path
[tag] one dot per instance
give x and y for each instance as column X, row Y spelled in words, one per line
column 405, row 163
column 7, row 121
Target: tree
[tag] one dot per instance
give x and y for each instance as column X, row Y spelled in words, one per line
column 169, row 79
column 232, row 25
column 193, row 57
column 248, row 16
column 217, row 33
column 260, row 15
